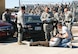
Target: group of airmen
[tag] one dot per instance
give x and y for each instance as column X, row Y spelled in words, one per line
column 50, row 29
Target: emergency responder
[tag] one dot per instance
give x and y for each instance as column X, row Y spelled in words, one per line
column 6, row 16
column 68, row 19
column 20, row 23
column 47, row 27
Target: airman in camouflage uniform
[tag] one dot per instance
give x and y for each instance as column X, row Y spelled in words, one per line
column 47, row 27
column 68, row 18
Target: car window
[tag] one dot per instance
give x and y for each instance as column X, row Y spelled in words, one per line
column 32, row 19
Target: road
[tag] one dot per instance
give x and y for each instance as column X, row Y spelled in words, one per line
column 10, row 46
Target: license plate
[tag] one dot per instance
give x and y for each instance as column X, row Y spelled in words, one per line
column 3, row 33
column 37, row 28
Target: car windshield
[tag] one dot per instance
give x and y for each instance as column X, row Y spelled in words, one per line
column 32, row 19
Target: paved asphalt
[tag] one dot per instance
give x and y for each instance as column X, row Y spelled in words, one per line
column 10, row 46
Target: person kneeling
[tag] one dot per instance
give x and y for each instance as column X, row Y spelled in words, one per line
column 62, row 40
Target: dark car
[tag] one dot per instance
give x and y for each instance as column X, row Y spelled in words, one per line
column 6, row 30
column 33, row 27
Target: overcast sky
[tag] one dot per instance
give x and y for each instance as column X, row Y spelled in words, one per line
column 13, row 3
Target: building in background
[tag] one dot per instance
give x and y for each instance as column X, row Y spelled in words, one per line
column 2, row 6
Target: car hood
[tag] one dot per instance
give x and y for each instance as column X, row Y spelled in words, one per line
column 2, row 23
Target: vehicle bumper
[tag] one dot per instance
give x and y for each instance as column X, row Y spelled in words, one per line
column 4, row 34
column 33, row 34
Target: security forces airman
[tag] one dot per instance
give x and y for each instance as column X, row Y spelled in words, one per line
column 47, row 27
column 20, row 23
column 68, row 18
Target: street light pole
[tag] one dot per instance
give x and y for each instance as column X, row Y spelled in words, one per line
column 19, row 4
column 62, row 1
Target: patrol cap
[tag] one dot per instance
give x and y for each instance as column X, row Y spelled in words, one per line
column 23, row 7
column 7, row 10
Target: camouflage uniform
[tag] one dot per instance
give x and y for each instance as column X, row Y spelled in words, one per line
column 68, row 19
column 56, row 19
column 20, row 24
column 47, row 27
